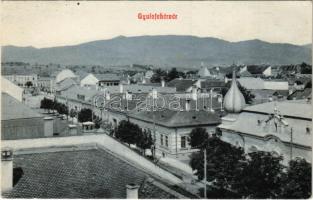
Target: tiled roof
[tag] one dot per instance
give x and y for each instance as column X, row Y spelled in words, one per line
column 65, row 84
column 13, row 109
column 212, row 83
column 71, row 93
column 80, row 174
column 140, row 88
column 171, row 118
column 107, row 77
column 181, row 84
column 288, row 108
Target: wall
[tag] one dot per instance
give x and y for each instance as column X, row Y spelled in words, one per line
column 22, row 128
column 276, row 85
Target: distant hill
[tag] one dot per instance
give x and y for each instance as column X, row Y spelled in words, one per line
column 169, row 50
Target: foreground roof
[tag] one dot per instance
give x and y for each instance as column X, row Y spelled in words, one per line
column 82, row 174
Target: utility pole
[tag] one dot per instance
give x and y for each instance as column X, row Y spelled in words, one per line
column 205, row 176
column 291, row 142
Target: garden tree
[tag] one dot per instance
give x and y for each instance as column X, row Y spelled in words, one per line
column 28, row 84
column 128, row 132
column 308, row 85
column 158, row 75
column 173, row 73
column 259, row 176
column 198, row 138
column 305, row 68
column 46, row 104
column 85, row 115
column 61, row 108
column 297, row 181
column 222, row 160
column 144, row 140
column 246, row 94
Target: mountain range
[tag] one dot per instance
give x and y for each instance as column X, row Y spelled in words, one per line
column 167, row 50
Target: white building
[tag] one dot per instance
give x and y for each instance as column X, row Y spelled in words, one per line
column 100, row 80
column 66, row 73
column 23, row 79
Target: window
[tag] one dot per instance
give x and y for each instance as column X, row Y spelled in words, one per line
column 166, row 141
column 81, row 97
column 162, row 139
column 183, row 142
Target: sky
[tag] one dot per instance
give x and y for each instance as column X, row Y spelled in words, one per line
column 60, row 23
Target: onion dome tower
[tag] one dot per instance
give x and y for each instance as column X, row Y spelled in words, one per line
column 234, row 101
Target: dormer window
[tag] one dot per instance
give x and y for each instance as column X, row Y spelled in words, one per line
column 308, row 130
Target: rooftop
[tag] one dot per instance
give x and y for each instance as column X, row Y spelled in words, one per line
column 82, row 174
column 11, row 108
column 172, row 118
column 299, row 109
column 107, row 77
column 181, row 84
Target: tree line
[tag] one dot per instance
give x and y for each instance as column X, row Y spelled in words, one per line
column 235, row 174
column 83, row 115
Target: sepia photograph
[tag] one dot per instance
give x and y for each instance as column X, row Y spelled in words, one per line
column 156, row 99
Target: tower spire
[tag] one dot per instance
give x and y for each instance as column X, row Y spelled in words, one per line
column 234, row 101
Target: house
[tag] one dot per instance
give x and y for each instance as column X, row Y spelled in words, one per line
column 215, row 85
column 23, row 79
column 64, row 74
column 64, row 85
column 252, row 83
column 100, row 80
column 204, row 72
column 46, row 84
column 169, row 120
column 182, row 85
column 21, row 122
column 149, row 74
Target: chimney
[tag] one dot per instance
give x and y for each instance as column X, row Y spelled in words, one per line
column 132, row 191
column 107, row 95
column 48, row 126
column 162, row 82
column 6, row 170
column 187, row 104
column 121, row 88
column 72, row 129
column 194, row 93
column 143, row 80
column 226, row 79
column 128, row 95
